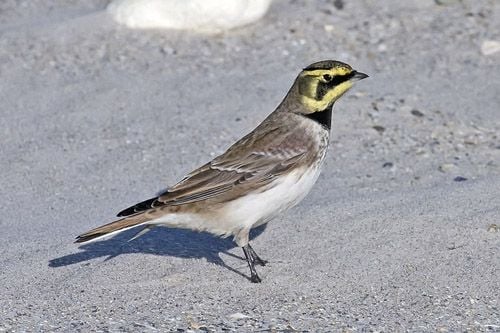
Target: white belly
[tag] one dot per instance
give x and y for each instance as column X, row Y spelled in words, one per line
column 257, row 208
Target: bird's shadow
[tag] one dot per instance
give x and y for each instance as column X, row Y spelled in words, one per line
column 159, row 241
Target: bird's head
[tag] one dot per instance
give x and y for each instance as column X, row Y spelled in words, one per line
column 320, row 84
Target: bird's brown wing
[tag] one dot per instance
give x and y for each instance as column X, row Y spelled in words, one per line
column 252, row 162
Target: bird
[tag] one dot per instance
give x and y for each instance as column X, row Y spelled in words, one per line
column 268, row 171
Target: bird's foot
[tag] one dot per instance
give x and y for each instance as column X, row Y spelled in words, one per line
column 255, row 257
column 260, row 262
column 252, row 258
column 255, row 278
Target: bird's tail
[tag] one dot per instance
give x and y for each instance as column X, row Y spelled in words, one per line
column 113, row 227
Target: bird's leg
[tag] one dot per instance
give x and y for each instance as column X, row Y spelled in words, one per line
column 254, row 277
column 256, row 259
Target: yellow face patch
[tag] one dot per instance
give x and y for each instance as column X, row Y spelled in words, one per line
column 315, row 105
column 319, row 88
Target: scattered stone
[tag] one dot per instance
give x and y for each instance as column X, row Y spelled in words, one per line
column 378, row 128
column 328, row 27
column 387, row 165
column 382, row 47
column 167, row 50
column 447, row 167
column 493, row 227
column 454, row 246
column 238, row 316
column 416, row 113
column 339, row 4
column 445, row 2
column 459, row 179
column 197, row 326
column 490, row 47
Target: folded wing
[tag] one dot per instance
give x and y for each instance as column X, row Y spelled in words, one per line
column 236, row 168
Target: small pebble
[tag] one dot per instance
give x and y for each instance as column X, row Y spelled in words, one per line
column 328, row 27
column 459, row 179
column 445, row 2
column 416, row 113
column 447, row 167
column 490, row 47
column 238, row 316
column 339, row 4
column 387, row 165
column 378, row 128
column 382, row 48
column 197, row 326
column 168, row 50
column 493, row 227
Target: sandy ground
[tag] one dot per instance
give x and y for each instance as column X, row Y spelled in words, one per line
column 399, row 234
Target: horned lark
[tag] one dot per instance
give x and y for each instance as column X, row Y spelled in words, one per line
column 266, row 172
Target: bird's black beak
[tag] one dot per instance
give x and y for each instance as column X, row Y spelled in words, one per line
column 358, row 76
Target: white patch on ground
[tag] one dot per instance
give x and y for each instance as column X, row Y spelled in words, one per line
column 489, row 47
column 200, row 15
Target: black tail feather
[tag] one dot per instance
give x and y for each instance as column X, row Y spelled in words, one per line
column 141, row 206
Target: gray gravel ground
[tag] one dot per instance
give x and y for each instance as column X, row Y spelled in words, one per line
column 399, row 234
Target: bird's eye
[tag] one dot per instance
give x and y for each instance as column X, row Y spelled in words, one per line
column 327, row 77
